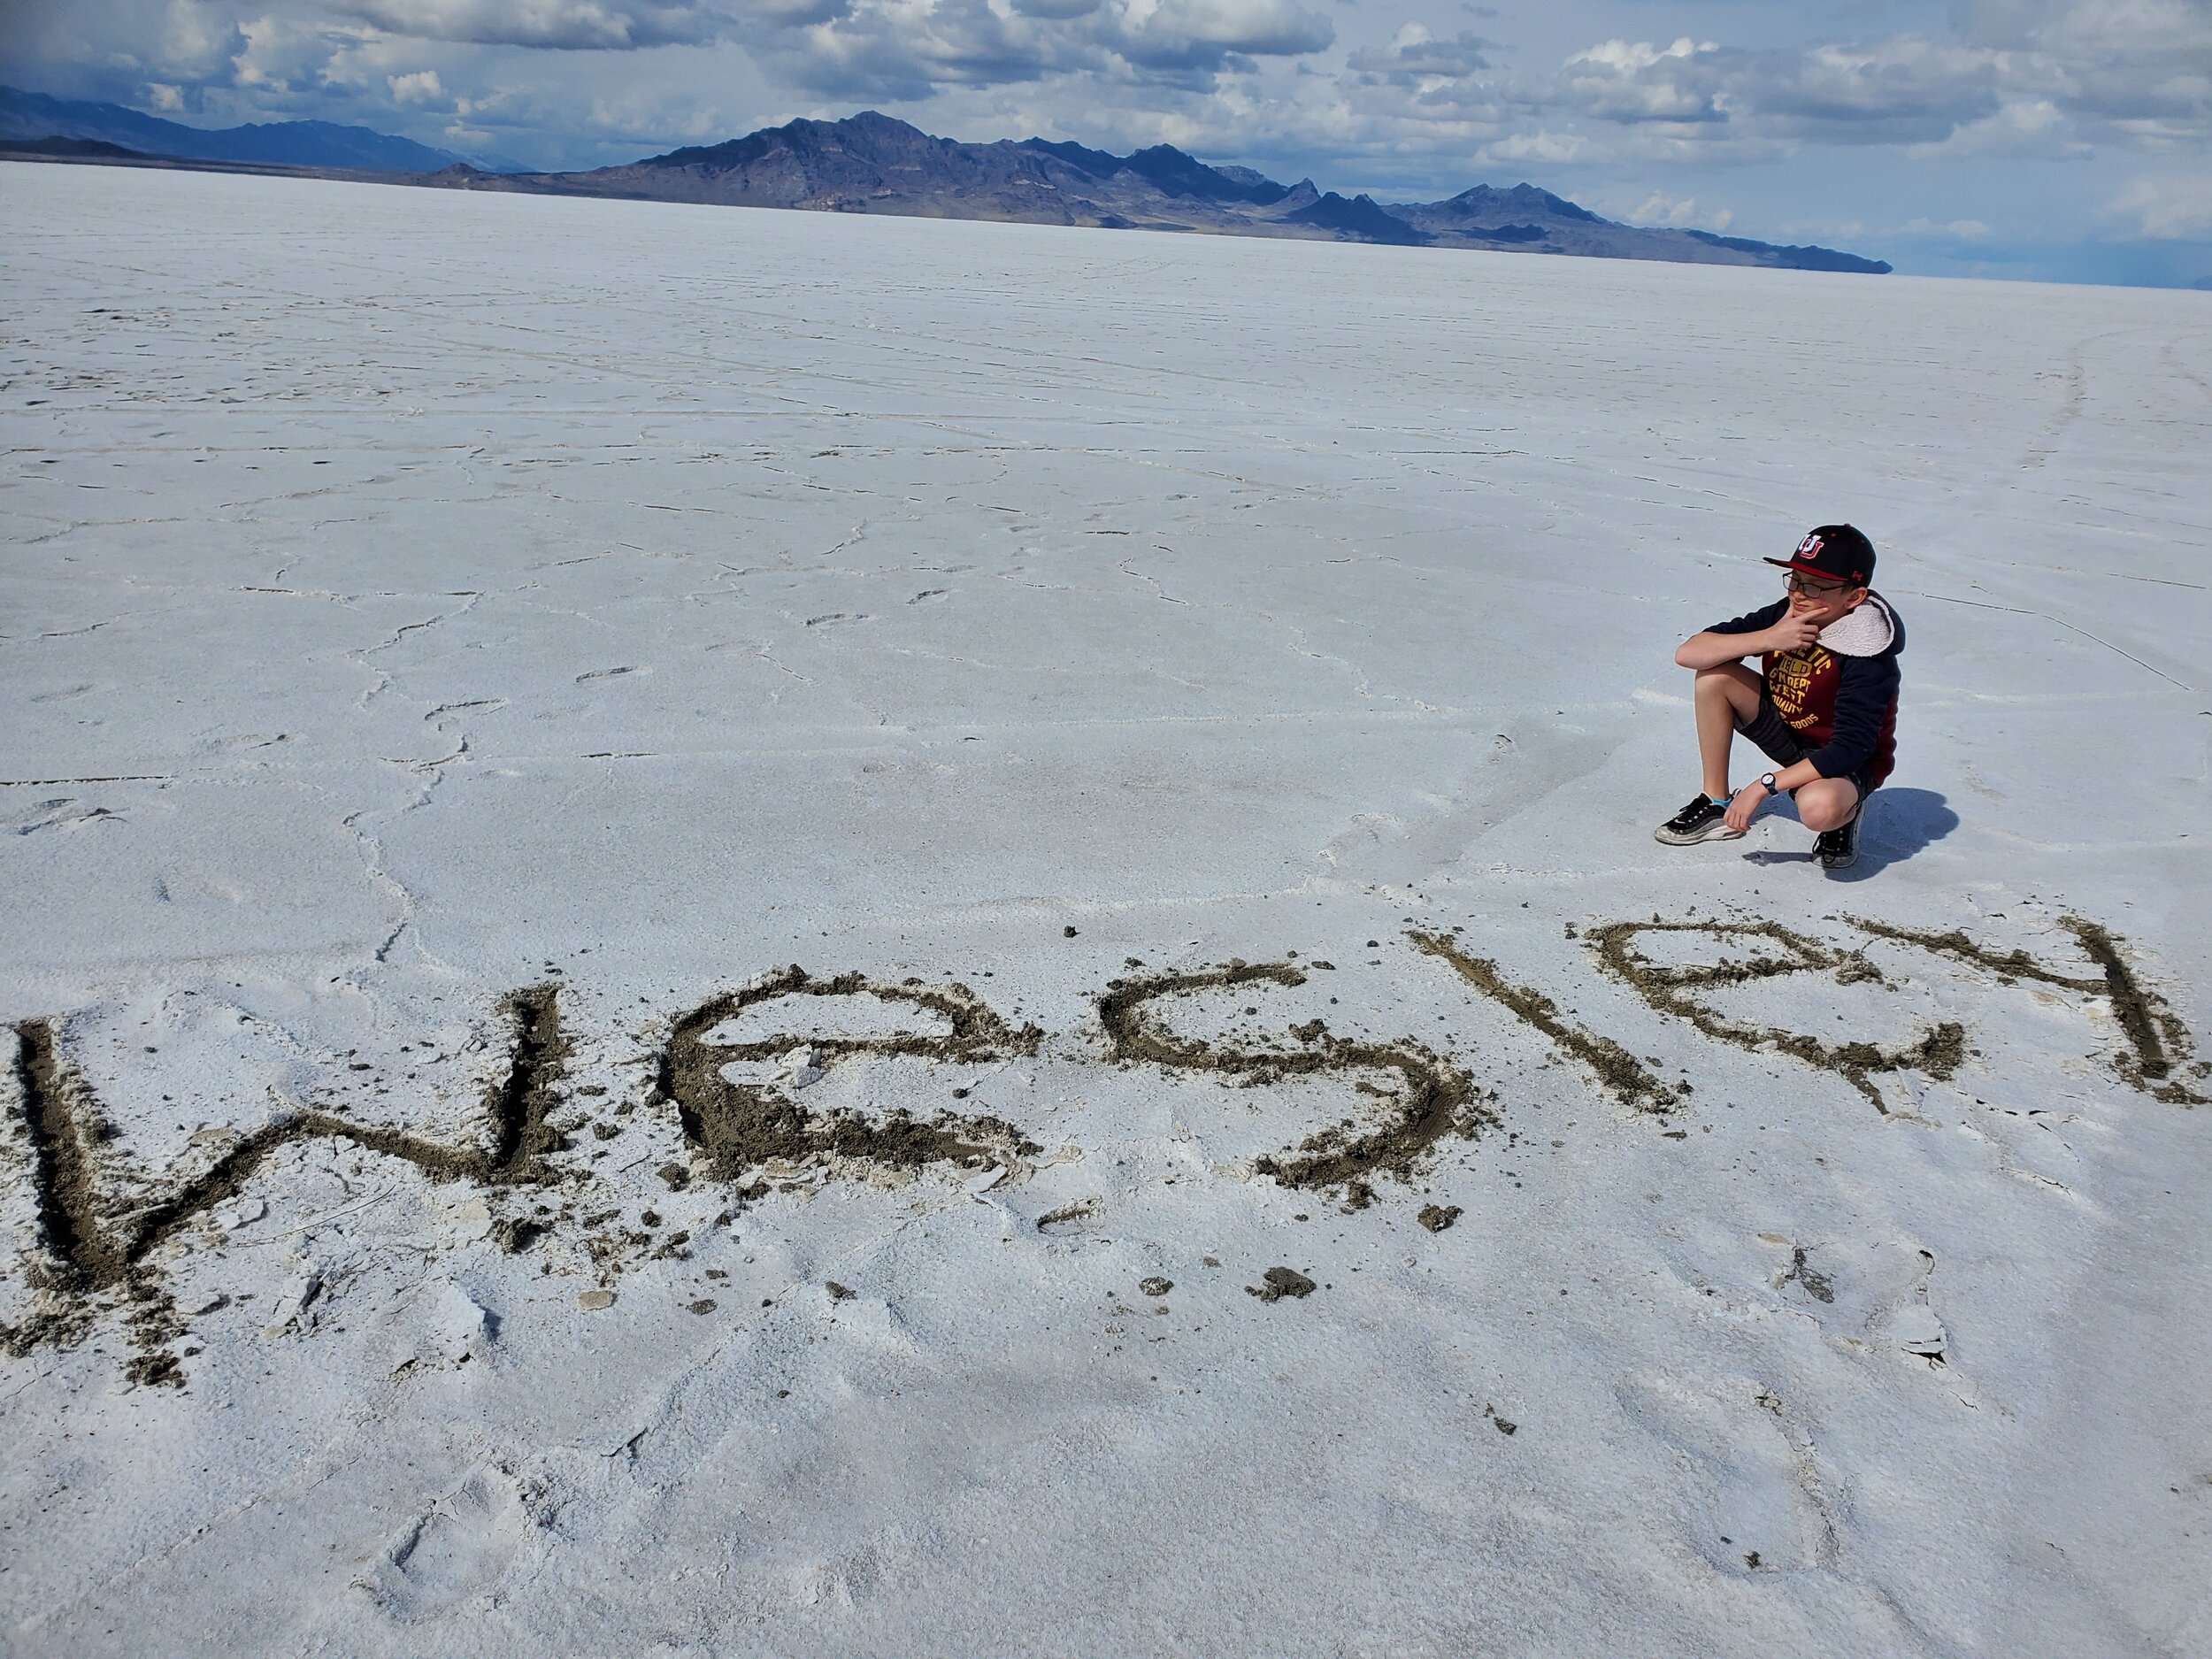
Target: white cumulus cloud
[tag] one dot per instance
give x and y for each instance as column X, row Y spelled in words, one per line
column 421, row 87
column 1660, row 209
column 1415, row 56
column 1200, row 32
column 2167, row 208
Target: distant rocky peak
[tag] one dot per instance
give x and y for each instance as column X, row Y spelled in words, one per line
column 1098, row 164
column 1360, row 217
column 1170, row 171
column 871, row 134
column 1179, row 174
column 1483, row 201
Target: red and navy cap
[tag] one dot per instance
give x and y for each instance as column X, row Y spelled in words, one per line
column 1837, row 552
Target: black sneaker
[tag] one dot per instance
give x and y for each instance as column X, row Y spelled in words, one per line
column 1838, row 848
column 1704, row 819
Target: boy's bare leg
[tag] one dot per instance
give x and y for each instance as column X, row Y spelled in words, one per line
column 1723, row 696
column 1828, row 803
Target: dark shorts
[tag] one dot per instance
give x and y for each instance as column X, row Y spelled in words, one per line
column 1779, row 742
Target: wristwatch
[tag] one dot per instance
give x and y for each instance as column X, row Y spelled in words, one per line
column 1767, row 777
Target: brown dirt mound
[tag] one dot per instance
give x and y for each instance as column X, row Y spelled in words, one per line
column 1279, row 1282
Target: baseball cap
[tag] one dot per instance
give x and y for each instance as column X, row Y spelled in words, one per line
column 1837, row 552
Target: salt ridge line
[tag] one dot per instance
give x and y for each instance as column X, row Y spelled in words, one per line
column 740, row 1128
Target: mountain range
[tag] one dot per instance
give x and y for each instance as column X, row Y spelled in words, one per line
column 870, row 163
column 33, row 117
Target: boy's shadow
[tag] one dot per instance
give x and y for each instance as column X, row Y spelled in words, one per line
column 1897, row 824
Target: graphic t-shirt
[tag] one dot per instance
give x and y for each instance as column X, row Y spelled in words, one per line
column 1802, row 685
column 1840, row 693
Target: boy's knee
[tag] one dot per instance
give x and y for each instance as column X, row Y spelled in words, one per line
column 1829, row 810
column 1720, row 686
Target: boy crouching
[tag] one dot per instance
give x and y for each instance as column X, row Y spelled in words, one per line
column 1823, row 707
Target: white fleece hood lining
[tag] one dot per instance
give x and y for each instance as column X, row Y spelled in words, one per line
column 1866, row 631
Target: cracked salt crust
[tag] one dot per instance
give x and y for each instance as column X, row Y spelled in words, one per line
column 1291, row 598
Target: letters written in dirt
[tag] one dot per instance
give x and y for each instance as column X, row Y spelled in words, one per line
column 101, row 1228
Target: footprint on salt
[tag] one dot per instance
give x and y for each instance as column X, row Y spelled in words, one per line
column 457, row 1547
column 1756, row 1503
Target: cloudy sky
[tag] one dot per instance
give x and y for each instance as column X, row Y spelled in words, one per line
column 2066, row 139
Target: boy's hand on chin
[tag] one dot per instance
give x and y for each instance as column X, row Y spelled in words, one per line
column 1743, row 803
column 1793, row 633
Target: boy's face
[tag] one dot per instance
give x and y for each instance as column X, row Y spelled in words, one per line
column 1823, row 602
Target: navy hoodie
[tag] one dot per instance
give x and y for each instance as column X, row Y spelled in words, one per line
column 1839, row 693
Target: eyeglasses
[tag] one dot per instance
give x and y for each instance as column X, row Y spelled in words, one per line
column 1822, row 590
